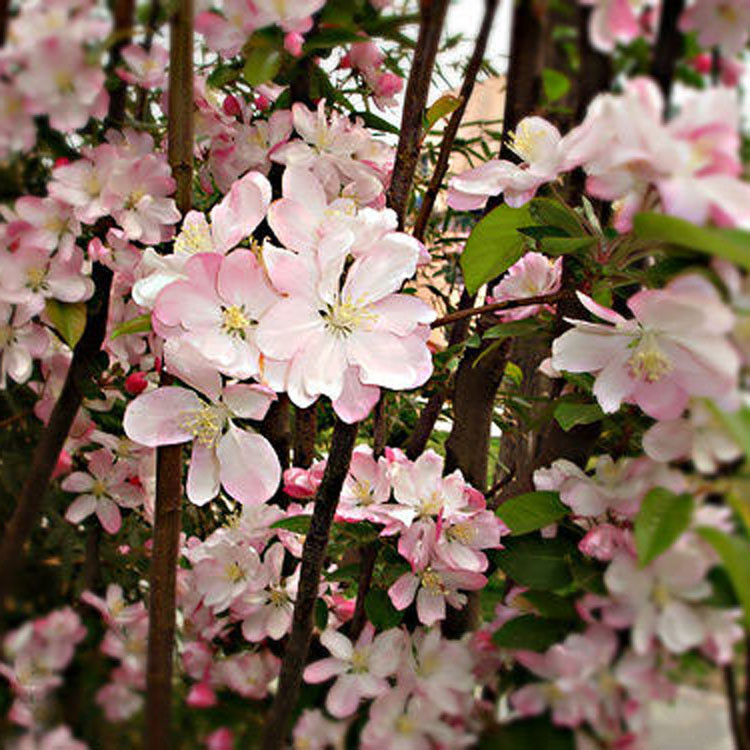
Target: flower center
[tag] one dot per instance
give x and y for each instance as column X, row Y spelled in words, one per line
column 461, row 532
column 649, row 362
column 195, row 238
column 360, row 660
column 234, row 572
column 727, row 12
column 404, row 725
column 36, row 277
column 525, row 141
column 343, row 318
column 430, row 506
column 432, row 581
column 99, row 489
column 278, row 597
column 363, row 493
column 204, row 424
column 6, row 336
column 134, row 198
column 660, row 595
column 235, row 320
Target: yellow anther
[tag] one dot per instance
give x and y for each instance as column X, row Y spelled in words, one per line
column 234, row 573
column 343, row 318
column 525, row 141
column 432, row 581
column 235, row 320
column 36, row 278
column 204, row 424
column 195, row 238
column 649, row 362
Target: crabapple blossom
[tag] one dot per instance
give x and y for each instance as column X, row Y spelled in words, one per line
column 614, row 21
column 59, row 738
column 243, row 462
column 674, row 348
column 21, row 342
column 248, row 673
column 313, row 731
column 360, row 669
column 719, row 23
column 106, row 488
column 148, row 68
column 366, row 488
column 534, row 274
column 539, row 145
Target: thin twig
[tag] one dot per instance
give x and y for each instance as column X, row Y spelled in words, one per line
column 432, row 15
column 153, row 18
column 735, row 721
column 668, row 46
column 167, row 514
column 539, row 299
column 313, row 555
column 449, row 135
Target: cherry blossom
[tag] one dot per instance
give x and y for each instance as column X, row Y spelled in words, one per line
column 148, row 68
column 719, row 23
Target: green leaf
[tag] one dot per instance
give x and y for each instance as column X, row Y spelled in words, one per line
column 297, row 524
column 536, row 562
column 321, row 614
column 141, row 324
column 565, row 245
column 68, row 319
column 732, row 244
column 530, row 633
column 734, row 553
column 494, row 245
column 331, row 37
column 261, row 65
column 568, row 414
column 531, row 511
column 379, row 610
column 444, row 106
column 555, row 84
column 512, row 328
column 547, row 604
column 374, row 122
column 660, row 521
column 552, row 213
column 737, row 423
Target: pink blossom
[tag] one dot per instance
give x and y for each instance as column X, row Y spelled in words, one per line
column 243, row 462
column 313, row 731
column 719, row 23
column 360, row 669
column 59, row 738
column 17, row 129
column 21, row 342
column 538, row 144
column 221, row 739
column 148, row 68
column 366, row 487
column 293, row 43
column 674, row 348
column 248, row 674
column 119, row 701
column 613, row 22
column 303, row 483
column 533, row 275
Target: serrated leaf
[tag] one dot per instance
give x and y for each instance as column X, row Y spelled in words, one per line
column 531, row 511
column 444, row 106
column 536, row 562
column 662, row 519
column 380, row 611
column 565, row 245
column 68, row 319
column 732, row 244
column 734, row 554
column 551, row 213
column 261, row 65
column 568, row 414
column 374, row 122
column 494, row 245
column 141, row 324
column 530, row 633
column 555, row 84
column 297, row 524
column 512, row 328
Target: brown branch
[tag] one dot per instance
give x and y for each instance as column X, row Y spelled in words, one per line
column 735, row 721
column 668, row 45
column 313, row 556
column 123, row 10
column 4, row 18
column 432, row 15
column 451, row 129
column 167, row 514
column 539, row 299
column 305, row 430
column 153, row 18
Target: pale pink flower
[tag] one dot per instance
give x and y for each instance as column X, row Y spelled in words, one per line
column 243, row 462
column 46, row 223
column 401, row 721
column 118, row 701
column 313, row 731
column 302, row 484
column 221, row 739
column 539, row 145
column 360, row 669
column 114, row 609
column 700, row 436
column 719, row 23
column 106, row 488
column 17, row 129
column 21, row 342
column 613, row 22
column 60, row 738
column 533, row 275
column 674, row 348
column 148, row 68
column 294, row 16
column 227, row 33
column 248, row 674
column 366, row 488
column 434, row 586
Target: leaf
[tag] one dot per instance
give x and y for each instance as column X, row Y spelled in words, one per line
column 565, row 245
column 297, row 524
column 536, row 562
column 444, row 106
column 321, row 614
column 530, row 633
column 547, row 604
column 660, row 521
column 512, row 328
column 555, row 84
column 261, row 65
column 568, row 414
column 68, row 319
column 380, row 611
column 374, row 122
column 737, row 423
column 141, row 324
column 734, row 553
column 331, row 37
column 552, row 213
column 732, row 244
column 494, row 245
column 531, row 511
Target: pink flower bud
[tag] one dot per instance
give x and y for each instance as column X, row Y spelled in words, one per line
column 136, row 383
column 293, row 43
column 221, row 739
column 388, row 85
column 231, row 106
column 64, row 464
column 262, row 102
column 702, row 63
column 201, row 695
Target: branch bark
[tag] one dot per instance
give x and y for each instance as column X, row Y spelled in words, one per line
column 167, row 515
column 432, row 14
column 668, row 46
column 451, row 129
column 313, row 556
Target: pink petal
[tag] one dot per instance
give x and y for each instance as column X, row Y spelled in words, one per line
column 109, row 515
column 155, row 418
column 250, row 469
column 80, row 508
column 203, row 474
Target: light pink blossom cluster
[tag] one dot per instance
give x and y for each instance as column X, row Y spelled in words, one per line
column 36, row 654
column 366, row 58
column 51, row 65
column 691, row 163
